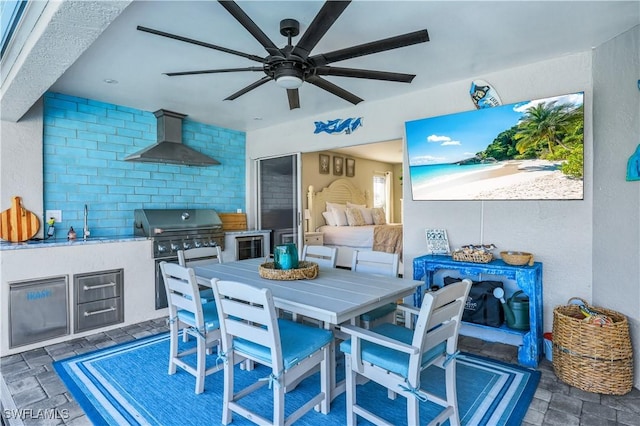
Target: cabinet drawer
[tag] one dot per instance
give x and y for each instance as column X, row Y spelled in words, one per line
column 98, row 314
column 98, row 285
column 313, row 240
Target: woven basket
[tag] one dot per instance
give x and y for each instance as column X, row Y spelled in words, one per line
column 592, row 357
column 517, row 258
column 304, row 271
column 475, row 257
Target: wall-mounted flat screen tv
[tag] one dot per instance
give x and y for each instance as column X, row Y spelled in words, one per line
column 530, row 150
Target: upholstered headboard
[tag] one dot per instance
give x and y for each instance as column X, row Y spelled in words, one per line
column 339, row 191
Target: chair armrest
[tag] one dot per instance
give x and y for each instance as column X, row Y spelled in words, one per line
column 408, row 309
column 368, row 335
column 410, row 312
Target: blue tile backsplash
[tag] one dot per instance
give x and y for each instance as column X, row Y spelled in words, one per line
column 85, row 143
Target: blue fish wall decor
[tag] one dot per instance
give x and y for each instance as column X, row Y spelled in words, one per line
column 633, row 165
column 333, row 127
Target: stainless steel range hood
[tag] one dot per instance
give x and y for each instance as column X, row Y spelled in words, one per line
column 169, row 148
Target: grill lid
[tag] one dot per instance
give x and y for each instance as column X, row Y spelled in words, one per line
column 151, row 222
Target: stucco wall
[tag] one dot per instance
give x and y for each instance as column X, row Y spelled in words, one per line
column 616, row 212
column 559, row 233
column 21, row 161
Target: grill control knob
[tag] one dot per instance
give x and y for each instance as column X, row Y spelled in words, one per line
column 198, row 244
column 186, row 245
column 175, row 247
column 161, row 248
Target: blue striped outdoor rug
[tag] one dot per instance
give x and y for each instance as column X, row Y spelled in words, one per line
column 128, row 384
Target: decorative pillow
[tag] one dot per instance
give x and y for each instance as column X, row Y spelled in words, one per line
column 340, row 216
column 354, row 217
column 378, row 216
column 328, row 218
column 331, row 206
column 366, row 213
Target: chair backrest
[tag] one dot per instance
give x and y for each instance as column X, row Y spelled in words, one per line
column 198, row 255
column 322, row 255
column 182, row 291
column 439, row 321
column 375, row 262
column 249, row 313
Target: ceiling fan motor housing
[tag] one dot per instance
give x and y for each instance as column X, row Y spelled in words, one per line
column 289, row 28
column 287, row 68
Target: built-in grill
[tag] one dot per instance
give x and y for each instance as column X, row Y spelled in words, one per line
column 173, row 230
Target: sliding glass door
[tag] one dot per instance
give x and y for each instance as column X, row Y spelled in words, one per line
column 279, row 207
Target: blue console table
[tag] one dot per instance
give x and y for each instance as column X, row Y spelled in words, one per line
column 527, row 278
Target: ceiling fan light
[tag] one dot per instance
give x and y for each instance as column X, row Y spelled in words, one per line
column 289, row 81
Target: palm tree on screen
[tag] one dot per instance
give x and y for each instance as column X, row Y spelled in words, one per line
column 545, row 124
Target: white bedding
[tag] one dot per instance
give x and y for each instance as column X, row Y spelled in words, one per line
column 350, row 236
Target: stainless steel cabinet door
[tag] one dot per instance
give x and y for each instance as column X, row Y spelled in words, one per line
column 38, row 310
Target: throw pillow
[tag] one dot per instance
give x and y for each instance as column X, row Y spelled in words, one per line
column 331, row 206
column 340, row 216
column 366, row 213
column 354, row 217
column 378, row 216
column 328, row 218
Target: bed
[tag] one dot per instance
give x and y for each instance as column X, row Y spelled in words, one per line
column 341, row 192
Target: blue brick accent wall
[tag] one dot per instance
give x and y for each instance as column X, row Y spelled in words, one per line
column 85, row 143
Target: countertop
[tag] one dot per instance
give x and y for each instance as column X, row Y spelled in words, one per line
column 58, row 242
column 248, row 232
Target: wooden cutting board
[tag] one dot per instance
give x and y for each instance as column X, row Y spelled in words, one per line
column 18, row 224
column 233, row 221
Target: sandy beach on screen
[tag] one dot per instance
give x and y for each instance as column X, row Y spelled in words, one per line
column 519, row 179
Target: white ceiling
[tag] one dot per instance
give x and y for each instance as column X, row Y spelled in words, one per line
column 467, row 40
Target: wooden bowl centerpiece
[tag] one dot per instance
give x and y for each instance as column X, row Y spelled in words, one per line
column 517, row 258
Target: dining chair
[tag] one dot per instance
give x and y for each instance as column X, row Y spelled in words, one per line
column 197, row 319
column 324, row 256
column 252, row 331
column 394, row 356
column 194, row 256
column 381, row 263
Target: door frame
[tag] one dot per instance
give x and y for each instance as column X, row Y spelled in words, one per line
column 297, row 192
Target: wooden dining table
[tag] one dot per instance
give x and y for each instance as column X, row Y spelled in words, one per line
column 334, row 297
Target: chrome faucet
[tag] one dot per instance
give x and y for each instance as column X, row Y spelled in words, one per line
column 85, row 231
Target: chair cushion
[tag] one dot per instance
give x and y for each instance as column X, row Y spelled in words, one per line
column 380, row 312
column 298, row 342
column 206, row 295
column 391, row 359
column 210, row 313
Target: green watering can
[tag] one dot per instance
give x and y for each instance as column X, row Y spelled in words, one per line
column 516, row 309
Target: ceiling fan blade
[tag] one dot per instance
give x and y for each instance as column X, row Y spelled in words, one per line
column 250, row 87
column 173, row 74
column 235, row 11
column 325, row 18
column 294, row 98
column 332, row 88
column 370, row 74
column 200, row 43
column 369, row 48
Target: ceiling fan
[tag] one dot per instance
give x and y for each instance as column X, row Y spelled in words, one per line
column 290, row 65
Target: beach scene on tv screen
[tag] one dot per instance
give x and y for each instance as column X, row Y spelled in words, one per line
column 529, row 150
